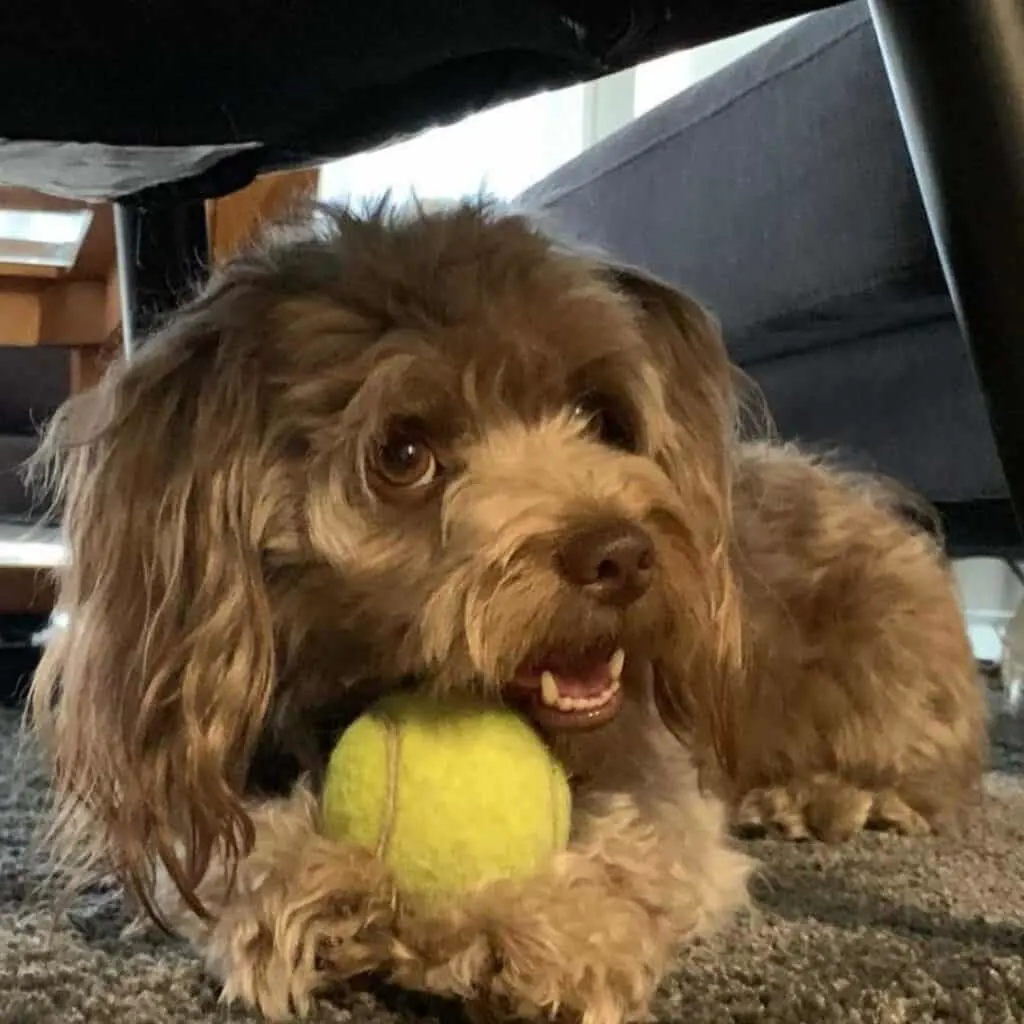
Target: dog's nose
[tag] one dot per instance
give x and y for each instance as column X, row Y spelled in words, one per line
column 612, row 562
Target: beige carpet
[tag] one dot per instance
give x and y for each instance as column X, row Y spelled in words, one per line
column 883, row 931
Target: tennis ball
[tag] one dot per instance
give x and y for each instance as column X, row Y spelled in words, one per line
column 450, row 795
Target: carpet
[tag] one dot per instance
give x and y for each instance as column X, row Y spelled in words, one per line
column 881, row 931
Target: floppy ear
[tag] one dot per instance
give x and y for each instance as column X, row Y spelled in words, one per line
column 152, row 698
column 694, row 689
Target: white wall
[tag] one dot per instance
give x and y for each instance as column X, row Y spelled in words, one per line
column 989, row 593
column 501, row 151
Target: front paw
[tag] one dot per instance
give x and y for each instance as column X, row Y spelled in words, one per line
column 580, row 943
column 588, row 939
column 301, row 914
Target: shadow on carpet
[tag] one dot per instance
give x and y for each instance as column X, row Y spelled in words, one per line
column 881, row 931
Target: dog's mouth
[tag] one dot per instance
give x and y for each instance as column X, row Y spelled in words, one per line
column 562, row 692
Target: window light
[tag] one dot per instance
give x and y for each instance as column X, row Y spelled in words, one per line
column 49, row 238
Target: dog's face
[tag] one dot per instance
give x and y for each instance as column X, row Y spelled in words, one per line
column 434, row 451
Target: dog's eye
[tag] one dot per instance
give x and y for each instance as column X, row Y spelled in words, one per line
column 607, row 422
column 403, row 460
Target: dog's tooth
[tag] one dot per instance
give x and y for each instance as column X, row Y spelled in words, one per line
column 616, row 663
column 548, row 689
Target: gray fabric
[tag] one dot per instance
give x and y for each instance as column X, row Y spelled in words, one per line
column 882, row 931
column 780, row 192
column 902, row 403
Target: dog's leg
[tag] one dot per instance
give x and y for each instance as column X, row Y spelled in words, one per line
column 891, row 813
column 300, row 914
column 590, row 937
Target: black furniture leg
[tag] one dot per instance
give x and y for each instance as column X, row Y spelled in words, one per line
column 162, row 252
column 957, row 72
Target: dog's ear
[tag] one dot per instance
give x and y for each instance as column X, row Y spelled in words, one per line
column 697, row 448
column 151, row 699
column 698, row 380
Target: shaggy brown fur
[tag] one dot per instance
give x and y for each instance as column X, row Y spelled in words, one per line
column 359, row 460
column 859, row 704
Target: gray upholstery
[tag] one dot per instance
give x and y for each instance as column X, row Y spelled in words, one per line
column 779, row 191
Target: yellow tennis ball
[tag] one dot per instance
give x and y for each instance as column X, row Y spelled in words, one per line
column 451, row 795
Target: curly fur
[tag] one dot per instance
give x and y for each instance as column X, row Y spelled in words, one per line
column 240, row 585
column 859, row 705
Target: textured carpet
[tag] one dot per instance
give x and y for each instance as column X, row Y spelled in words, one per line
column 882, row 931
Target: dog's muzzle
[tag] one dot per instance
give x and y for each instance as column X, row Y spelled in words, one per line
column 609, row 564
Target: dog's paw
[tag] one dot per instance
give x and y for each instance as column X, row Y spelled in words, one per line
column 571, row 944
column 281, row 970
column 770, row 811
column 825, row 808
column 589, row 948
column 891, row 813
column 295, row 929
column 586, row 940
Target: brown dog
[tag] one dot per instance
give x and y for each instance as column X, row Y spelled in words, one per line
column 438, row 450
